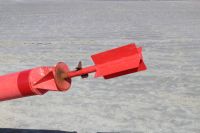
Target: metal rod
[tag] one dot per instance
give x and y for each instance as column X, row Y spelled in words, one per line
column 83, row 71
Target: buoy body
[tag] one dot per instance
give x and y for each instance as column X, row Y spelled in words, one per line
column 36, row 81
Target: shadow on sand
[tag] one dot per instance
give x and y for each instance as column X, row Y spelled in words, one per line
column 12, row 130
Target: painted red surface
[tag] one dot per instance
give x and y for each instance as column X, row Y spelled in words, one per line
column 37, row 81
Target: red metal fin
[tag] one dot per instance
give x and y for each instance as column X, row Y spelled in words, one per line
column 142, row 66
column 116, row 60
column 47, row 77
column 121, row 73
column 116, row 66
column 139, row 67
column 114, row 54
column 46, row 83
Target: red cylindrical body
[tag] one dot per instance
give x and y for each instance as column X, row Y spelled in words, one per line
column 36, row 81
column 20, row 84
column 10, row 88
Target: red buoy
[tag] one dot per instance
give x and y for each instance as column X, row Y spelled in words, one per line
column 37, row 81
